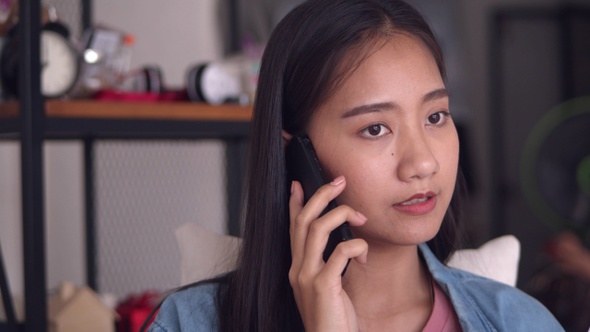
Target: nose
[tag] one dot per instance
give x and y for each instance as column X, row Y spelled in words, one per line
column 416, row 158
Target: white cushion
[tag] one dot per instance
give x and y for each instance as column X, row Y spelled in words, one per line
column 496, row 259
column 204, row 253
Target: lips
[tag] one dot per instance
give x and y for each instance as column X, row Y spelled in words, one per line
column 415, row 201
column 418, row 204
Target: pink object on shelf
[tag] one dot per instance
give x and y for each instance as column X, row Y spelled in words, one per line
column 115, row 95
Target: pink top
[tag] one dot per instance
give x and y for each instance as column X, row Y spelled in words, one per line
column 443, row 317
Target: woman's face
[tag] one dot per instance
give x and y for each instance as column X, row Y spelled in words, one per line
column 387, row 129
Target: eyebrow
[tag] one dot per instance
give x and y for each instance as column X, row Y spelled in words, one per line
column 436, row 94
column 391, row 106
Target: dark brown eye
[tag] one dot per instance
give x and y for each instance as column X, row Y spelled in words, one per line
column 438, row 118
column 435, row 118
column 374, row 130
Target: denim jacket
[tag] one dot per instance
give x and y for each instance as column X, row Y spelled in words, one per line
column 480, row 303
column 486, row 305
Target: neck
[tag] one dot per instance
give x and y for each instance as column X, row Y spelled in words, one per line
column 393, row 284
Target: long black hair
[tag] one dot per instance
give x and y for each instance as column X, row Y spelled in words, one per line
column 308, row 55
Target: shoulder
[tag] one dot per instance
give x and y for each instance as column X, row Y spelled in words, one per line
column 494, row 297
column 484, row 304
column 496, row 305
column 191, row 309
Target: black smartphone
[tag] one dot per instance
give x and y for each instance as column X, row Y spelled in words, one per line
column 304, row 166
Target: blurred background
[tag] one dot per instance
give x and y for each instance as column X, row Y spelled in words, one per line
column 519, row 77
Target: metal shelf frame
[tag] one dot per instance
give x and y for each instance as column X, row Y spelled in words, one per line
column 32, row 127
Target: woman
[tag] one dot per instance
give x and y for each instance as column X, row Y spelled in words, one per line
column 364, row 79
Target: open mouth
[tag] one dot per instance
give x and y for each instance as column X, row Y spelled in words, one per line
column 415, row 201
column 417, row 204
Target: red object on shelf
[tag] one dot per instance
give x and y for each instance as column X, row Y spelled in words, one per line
column 115, row 95
column 135, row 310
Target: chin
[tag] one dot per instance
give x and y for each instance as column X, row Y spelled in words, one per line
column 416, row 239
column 399, row 229
column 397, row 237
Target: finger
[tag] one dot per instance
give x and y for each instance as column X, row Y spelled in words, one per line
column 356, row 249
column 320, row 229
column 301, row 217
column 320, row 199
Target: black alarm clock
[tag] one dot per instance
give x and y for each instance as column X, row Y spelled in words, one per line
column 60, row 62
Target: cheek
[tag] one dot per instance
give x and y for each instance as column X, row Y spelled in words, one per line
column 352, row 171
column 448, row 157
column 335, row 158
column 355, row 194
column 452, row 154
column 350, row 165
column 363, row 180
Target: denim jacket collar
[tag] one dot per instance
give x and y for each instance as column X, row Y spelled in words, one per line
column 482, row 304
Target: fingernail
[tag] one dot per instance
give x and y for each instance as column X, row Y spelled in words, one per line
column 292, row 186
column 337, row 181
column 362, row 216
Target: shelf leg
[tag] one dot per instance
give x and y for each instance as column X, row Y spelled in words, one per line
column 90, row 213
column 32, row 117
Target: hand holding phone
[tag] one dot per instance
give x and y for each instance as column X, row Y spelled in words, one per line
column 304, row 166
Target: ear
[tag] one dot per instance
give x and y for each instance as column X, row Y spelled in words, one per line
column 286, row 138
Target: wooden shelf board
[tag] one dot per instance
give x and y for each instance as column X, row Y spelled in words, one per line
column 89, row 109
